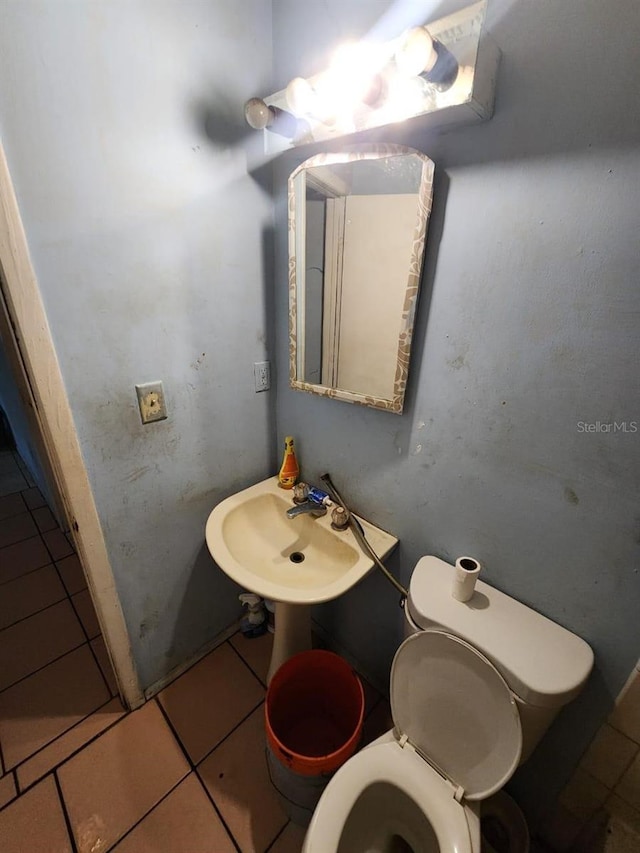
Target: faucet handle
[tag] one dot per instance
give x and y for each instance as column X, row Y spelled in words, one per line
column 339, row 518
column 300, row 493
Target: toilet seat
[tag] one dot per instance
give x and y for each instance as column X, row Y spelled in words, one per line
column 453, row 706
column 386, row 761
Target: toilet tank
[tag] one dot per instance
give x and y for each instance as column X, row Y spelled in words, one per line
column 544, row 665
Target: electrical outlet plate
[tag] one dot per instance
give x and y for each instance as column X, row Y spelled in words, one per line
column 151, row 402
column 262, row 375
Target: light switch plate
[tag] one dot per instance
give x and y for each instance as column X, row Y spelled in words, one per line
column 151, row 402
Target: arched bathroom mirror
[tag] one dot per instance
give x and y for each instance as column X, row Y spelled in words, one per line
column 357, row 228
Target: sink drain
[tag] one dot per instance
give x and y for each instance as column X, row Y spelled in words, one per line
column 296, row 557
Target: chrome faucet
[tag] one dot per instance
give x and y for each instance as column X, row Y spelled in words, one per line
column 307, row 507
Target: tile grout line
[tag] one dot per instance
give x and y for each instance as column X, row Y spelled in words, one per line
column 31, row 571
column 38, row 534
column 270, row 847
column 97, row 663
column 255, row 674
column 607, row 722
column 167, row 720
column 42, row 532
column 372, row 708
column 86, row 633
column 84, row 630
column 12, row 801
column 29, row 510
column 196, row 661
column 63, row 806
column 71, row 754
column 228, row 735
column 24, row 538
column 149, row 811
column 35, row 612
column 22, row 465
column 194, row 769
column 48, row 550
column 16, row 491
column 13, row 514
column 75, row 610
column 44, row 666
column 15, row 785
column 217, row 810
column 2, row 762
column 611, row 789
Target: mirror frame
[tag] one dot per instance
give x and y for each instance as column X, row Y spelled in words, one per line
column 296, row 210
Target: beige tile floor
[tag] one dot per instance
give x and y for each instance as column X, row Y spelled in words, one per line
column 186, row 773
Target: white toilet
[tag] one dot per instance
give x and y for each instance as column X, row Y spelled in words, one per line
column 473, row 688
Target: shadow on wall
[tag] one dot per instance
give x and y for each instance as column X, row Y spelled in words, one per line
column 223, row 124
column 372, row 610
column 559, row 748
column 197, row 605
column 221, row 120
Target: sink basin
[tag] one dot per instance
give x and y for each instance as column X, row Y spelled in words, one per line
column 296, row 561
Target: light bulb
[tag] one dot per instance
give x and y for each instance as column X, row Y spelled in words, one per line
column 416, row 53
column 352, row 79
column 300, row 96
column 406, row 97
column 420, row 54
column 258, row 114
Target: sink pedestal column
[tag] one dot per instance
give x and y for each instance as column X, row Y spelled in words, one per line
column 292, row 633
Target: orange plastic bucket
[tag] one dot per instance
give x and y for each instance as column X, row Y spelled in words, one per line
column 314, row 712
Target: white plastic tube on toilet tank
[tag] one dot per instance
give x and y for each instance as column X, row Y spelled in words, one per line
column 464, row 581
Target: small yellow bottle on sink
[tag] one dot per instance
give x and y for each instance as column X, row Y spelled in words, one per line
column 289, row 471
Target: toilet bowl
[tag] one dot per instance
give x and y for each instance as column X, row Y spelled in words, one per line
column 387, row 798
column 459, row 726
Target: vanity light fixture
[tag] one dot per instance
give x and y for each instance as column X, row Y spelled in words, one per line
column 444, row 70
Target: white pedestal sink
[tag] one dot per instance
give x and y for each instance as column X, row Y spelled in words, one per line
column 295, row 562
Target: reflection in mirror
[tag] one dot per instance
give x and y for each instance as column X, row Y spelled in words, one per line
column 357, row 227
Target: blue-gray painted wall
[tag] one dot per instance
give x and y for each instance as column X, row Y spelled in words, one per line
column 123, row 128
column 527, row 325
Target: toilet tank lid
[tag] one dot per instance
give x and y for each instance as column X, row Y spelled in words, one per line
column 543, row 663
